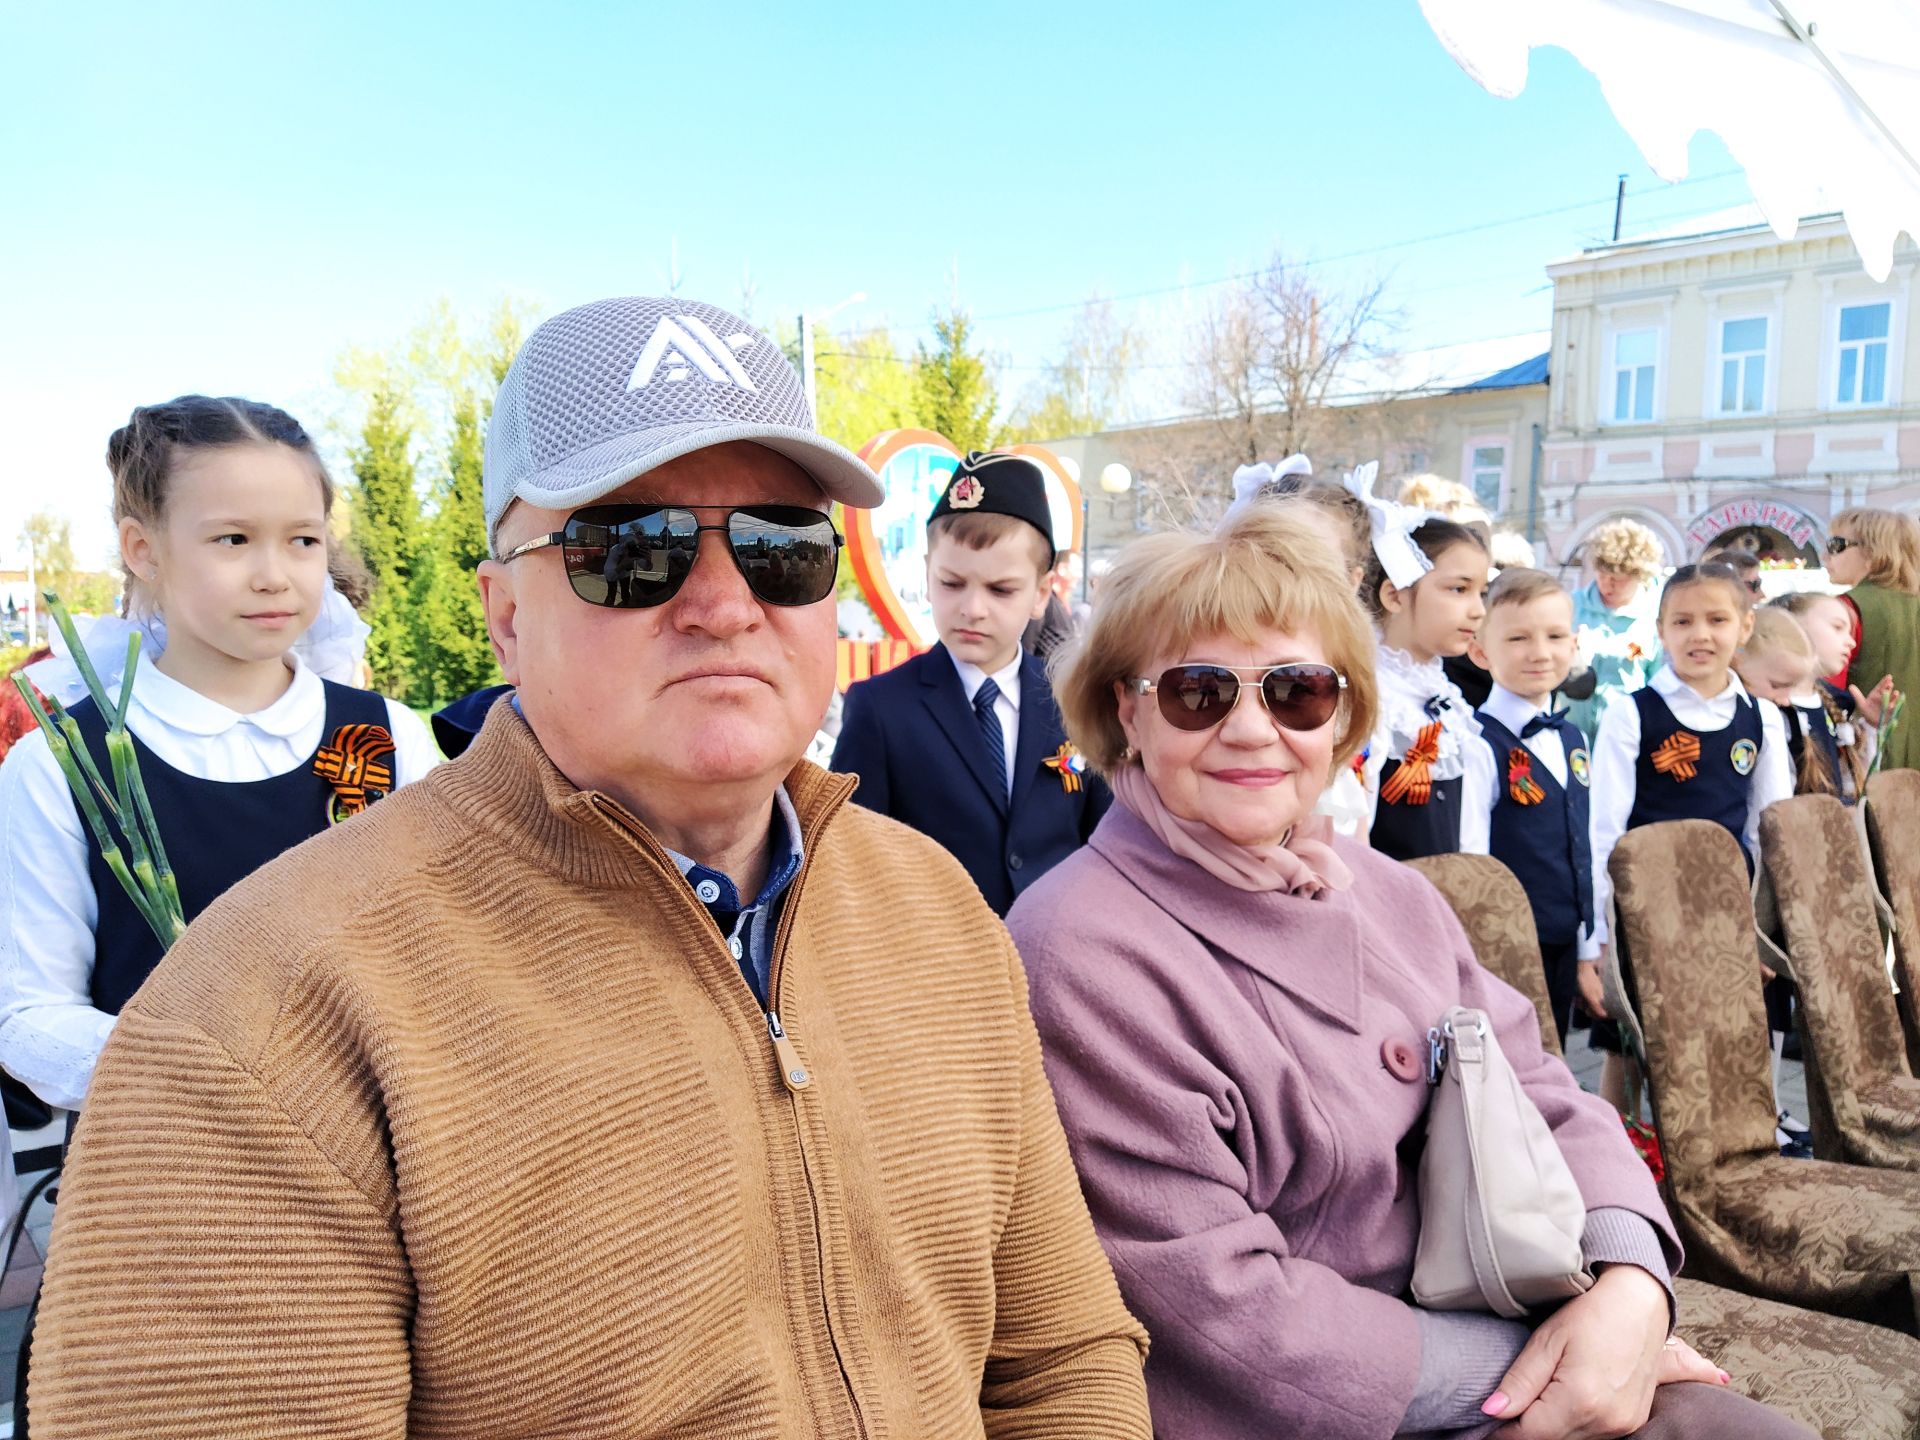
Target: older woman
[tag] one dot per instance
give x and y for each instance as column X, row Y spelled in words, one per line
column 1877, row 552
column 1614, row 614
column 1233, row 1005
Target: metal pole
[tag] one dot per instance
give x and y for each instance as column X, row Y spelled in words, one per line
column 1533, row 488
column 1619, row 207
column 1086, row 548
column 33, row 603
column 807, row 377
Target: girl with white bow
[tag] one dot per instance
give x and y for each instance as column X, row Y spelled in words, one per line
column 1430, row 780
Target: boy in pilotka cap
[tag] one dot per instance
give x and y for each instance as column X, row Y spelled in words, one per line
column 964, row 742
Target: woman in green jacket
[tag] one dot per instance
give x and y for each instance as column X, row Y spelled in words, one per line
column 1877, row 552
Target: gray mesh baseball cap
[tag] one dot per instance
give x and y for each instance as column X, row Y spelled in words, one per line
column 603, row 393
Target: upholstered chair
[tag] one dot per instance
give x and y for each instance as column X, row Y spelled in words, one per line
column 1893, row 827
column 1840, row 1238
column 1856, row 1054
column 1844, row 1378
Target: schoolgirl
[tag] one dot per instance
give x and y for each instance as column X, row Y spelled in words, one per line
column 222, row 507
column 1851, row 718
column 1428, row 775
column 1692, row 744
column 1345, row 801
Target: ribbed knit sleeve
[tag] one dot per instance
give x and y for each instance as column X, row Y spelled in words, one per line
column 1066, row 1356
column 213, row 1274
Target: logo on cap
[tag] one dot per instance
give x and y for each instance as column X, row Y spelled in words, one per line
column 684, row 344
column 966, row 494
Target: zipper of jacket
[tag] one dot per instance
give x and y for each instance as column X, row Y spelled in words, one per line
column 793, row 1071
column 795, row 1075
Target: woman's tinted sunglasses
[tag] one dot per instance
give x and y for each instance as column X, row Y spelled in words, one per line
column 1198, row 697
column 1839, row 544
column 633, row 557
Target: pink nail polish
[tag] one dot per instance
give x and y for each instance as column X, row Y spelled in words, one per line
column 1725, row 1378
column 1496, row 1404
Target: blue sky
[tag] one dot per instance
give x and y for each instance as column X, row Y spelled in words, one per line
column 226, row 197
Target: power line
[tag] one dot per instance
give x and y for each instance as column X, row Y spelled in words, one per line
column 1366, row 253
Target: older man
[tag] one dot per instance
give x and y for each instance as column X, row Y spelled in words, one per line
column 621, row 1079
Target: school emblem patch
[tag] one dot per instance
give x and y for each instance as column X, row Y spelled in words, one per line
column 1746, row 755
column 1580, row 764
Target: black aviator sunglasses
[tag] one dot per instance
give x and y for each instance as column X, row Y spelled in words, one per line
column 633, row 557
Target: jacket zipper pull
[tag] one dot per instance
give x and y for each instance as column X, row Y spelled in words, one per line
column 792, row 1071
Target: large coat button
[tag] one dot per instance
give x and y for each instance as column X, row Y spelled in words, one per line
column 1402, row 1059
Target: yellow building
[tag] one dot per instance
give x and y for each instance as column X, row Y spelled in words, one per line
column 1721, row 382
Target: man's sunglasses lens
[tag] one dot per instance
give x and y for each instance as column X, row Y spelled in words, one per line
column 1198, row 697
column 631, row 557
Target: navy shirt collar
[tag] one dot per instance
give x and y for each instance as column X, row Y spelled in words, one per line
column 717, row 892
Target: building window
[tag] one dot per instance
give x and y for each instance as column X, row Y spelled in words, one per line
column 1488, row 476
column 1862, row 360
column 1636, row 355
column 1743, row 366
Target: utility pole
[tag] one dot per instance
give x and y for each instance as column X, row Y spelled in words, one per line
column 808, row 378
column 1619, row 206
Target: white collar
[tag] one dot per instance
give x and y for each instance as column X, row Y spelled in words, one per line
column 1398, row 666
column 1512, row 711
column 180, row 708
column 972, row 677
column 1669, row 685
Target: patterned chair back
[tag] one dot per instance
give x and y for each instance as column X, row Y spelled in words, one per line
column 1893, row 828
column 1493, row 910
column 1686, row 933
column 1857, row 1055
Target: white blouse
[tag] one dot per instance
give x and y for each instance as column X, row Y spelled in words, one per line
column 50, row 1033
column 1407, row 688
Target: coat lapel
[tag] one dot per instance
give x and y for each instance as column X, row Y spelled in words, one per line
column 947, row 702
column 1312, row 949
column 1040, row 733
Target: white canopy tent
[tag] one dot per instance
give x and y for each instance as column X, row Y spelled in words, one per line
column 1818, row 100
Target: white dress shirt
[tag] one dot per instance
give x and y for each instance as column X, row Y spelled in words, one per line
column 50, row 1033
column 1006, row 707
column 1616, row 755
column 1546, row 746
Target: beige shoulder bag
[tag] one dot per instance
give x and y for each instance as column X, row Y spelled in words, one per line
column 1500, row 1215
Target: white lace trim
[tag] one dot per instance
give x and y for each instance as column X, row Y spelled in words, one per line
column 1406, row 687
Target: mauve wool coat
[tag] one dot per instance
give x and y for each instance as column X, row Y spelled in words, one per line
column 1233, row 1072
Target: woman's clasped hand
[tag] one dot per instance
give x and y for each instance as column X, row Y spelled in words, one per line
column 1590, row 1370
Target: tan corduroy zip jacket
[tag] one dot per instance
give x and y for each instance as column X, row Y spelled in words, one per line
column 460, row 1121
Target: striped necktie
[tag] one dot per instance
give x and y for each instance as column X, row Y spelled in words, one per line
column 990, row 731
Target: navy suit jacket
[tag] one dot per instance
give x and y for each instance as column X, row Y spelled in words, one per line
column 912, row 738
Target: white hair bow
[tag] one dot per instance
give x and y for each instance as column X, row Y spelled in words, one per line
column 1393, row 526
column 1250, row 480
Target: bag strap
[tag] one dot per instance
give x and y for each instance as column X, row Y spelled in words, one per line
column 1467, row 1032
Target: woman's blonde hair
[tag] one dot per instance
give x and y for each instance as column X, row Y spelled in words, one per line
column 1269, row 568
column 1893, row 546
column 1625, row 547
column 1776, row 632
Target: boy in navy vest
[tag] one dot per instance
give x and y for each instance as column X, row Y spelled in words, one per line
column 1538, row 824
column 964, row 743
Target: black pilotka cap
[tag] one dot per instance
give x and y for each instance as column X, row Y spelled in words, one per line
column 990, row 482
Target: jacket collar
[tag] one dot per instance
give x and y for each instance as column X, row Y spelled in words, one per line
column 1312, row 949
column 506, row 783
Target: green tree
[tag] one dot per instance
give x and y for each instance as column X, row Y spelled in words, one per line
column 954, row 392
column 1085, row 390
column 864, row 386
column 454, row 627
column 386, row 525
column 49, row 538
